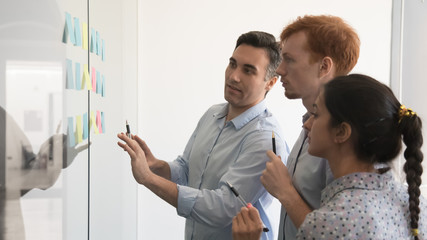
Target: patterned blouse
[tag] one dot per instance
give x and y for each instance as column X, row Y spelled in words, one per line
column 363, row 206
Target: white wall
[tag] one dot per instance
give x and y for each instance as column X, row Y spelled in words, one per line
column 184, row 48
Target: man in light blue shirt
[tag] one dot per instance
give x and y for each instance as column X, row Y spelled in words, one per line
column 314, row 49
column 229, row 144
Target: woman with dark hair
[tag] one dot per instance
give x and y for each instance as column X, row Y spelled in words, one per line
column 358, row 125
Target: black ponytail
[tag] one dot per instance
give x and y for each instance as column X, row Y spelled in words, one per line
column 379, row 122
column 410, row 126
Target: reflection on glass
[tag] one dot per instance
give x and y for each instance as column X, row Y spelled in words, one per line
column 31, row 120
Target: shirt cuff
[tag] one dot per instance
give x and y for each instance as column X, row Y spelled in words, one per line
column 186, row 200
column 174, row 171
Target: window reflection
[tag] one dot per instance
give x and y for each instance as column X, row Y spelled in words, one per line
column 33, row 143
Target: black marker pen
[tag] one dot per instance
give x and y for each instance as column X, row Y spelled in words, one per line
column 127, row 129
column 273, row 140
column 264, row 228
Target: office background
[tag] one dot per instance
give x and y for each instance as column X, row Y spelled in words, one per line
column 163, row 65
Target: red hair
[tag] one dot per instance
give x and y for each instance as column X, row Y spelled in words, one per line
column 327, row 36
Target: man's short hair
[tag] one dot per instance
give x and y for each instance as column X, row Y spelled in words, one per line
column 267, row 42
column 327, row 36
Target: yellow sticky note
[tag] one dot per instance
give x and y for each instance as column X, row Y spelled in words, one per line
column 86, row 79
column 84, row 36
column 93, row 122
column 79, row 129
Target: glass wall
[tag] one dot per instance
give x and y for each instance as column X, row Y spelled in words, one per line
column 62, row 175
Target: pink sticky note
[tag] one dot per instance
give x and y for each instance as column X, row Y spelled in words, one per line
column 98, row 121
column 93, row 73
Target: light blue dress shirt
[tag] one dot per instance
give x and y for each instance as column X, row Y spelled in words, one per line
column 310, row 175
column 220, row 151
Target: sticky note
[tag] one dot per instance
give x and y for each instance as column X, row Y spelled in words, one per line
column 103, row 50
column 93, row 74
column 65, row 33
column 98, row 44
column 103, row 86
column 68, row 30
column 79, row 129
column 98, row 121
column 84, row 36
column 91, row 120
column 70, row 132
column 102, row 122
column 77, row 33
column 86, row 79
column 85, row 126
column 93, row 123
column 78, row 76
column 69, row 78
column 98, row 82
column 92, row 41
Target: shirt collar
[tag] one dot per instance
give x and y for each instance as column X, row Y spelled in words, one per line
column 305, row 117
column 244, row 117
column 359, row 180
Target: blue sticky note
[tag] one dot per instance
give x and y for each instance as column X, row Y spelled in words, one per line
column 98, row 44
column 70, row 132
column 77, row 32
column 69, row 78
column 78, row 77
column 92, row 41
column 65, row 33
column 103, row 86
column 98, row 83
column 102, row 122
column 103, row 50
column 68, row 30
column 85, row 126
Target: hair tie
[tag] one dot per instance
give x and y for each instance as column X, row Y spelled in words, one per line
column 405, row 112
column 414, row 232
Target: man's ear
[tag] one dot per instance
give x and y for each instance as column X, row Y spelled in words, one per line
column 342, row 132
column 326, row 66
column 270, row 83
